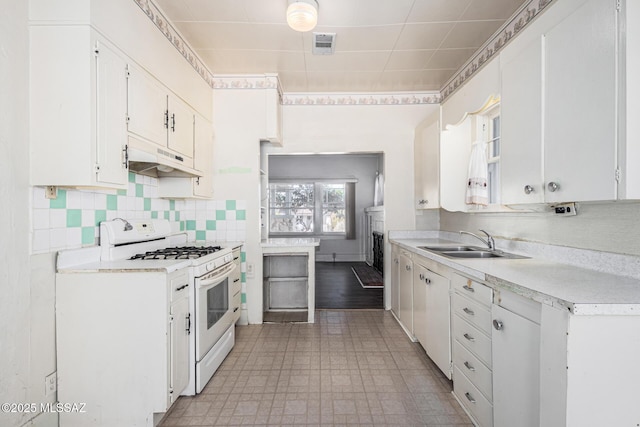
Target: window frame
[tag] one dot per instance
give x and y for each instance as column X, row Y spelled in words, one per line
column 318, row 208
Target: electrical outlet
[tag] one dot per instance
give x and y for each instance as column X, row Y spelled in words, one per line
column 50, row 384
column 565, row 209
column 250, row 270
column 51, row 192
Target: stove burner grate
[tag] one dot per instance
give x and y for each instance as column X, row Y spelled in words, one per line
column 184, row 252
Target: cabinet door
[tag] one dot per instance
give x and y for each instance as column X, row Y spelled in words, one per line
column 438, row 320
column 179, row 347
column 580, row 104
column 515, row 344
column 427, row 167
column 521, row 121
column 395, row 278
column 405, row 276
column 147, row 107
column 203, row 157
column 420, row 323
column 111, row 112
column 181, row 127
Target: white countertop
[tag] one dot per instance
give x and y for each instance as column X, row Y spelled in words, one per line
column 127, row 266
column 581, row 290
column 290, row 242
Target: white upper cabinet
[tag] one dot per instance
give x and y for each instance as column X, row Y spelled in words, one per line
column 521, row 111
column 200, row 187
column 273, row 116
column 159, row 116
column 77, row 108
column 426, row 158
column 580, row 110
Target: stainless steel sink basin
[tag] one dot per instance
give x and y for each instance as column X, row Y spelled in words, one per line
column 468, row 252
column 450, row 248
column 473, row 254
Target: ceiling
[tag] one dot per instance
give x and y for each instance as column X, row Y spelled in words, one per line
column 381, row 45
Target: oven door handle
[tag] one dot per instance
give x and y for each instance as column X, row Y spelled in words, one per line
column 221, row 275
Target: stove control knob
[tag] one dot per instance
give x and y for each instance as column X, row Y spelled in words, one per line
column 211, row 265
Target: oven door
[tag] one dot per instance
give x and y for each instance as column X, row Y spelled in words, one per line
column 213, row 309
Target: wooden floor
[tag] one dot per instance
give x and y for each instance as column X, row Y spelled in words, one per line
column 338, row 288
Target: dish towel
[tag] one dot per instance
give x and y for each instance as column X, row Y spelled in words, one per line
column 477, row 190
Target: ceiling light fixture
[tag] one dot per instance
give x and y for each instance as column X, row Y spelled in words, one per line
column 302, row 15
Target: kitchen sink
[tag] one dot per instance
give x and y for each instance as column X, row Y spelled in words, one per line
column 473, row 254
column 450, row 248
column 469, row 252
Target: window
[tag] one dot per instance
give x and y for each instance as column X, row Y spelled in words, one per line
column 490, row 131
column 311, row 208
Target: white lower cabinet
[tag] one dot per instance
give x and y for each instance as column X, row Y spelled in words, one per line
column 236, row 285
column 431, row 318
column 405, row 281
column 515, row 341
column 179, row 330
column 471, row 341
column 395, row 280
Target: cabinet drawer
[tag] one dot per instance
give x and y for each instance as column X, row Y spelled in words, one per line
column 476, row 371
column 472, row 289
column 471, row 398
column 473, row 339
column 472, row 311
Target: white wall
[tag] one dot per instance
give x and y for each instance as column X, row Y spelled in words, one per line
column 362, row 167
column 387, row 129
column 15, row 319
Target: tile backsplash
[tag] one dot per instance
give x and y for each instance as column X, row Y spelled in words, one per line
column 72, row 219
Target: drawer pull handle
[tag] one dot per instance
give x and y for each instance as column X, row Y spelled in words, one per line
column 469, row 367
column 469, row 312
column 469, row 398
column 469, row 337
column 421, row 276
column 408, row 268
column 468, row 288
column 498, row 324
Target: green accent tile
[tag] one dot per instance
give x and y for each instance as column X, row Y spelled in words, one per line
column 221, row 215
column 154, row 214
column 243, row 257
column 132, row 177
column 122, row 192
column 201, row 235
column 231, row 205
column 181, row 225
column 88, row 235
column 177, row 215
column 172, row 205
column 191, row 224
column 167, row 215
column 100, row 215
column 241, row 214
column 74, row 217
column 60, row 202
column 243, row 277
column 147, row 204
column 243, row 298
column 139, row 190
column 112, row 202
column 211, row 224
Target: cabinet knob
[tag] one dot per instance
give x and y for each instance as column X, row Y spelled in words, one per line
column 423, row 201
column 469, row 367
column 408, row 268
column 469, row 397
column 553, row 186
column 468, row 311
column 498, row 324
column 528, row 189
column 428, row 281
column 469, row 337
column 421, row 276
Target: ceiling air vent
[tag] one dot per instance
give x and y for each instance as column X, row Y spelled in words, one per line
column 324, row 43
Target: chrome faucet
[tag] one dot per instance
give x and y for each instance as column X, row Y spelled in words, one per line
column 489, row 242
